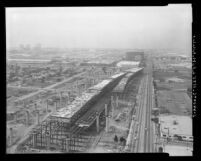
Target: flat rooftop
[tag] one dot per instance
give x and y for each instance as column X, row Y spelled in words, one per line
column 175, row 79
column 176, row 150
column 123, row 63
column 183, row 124
column 101, row 61
column 134, row 70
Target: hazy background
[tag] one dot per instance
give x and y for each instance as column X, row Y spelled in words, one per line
column 101, row 27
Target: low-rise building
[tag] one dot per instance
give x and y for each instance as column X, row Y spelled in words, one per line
column 176, row 127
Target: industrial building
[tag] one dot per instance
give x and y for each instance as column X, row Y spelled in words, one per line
column 135, row 56
column 176, row 127
column 101, row 62
column 128, row 64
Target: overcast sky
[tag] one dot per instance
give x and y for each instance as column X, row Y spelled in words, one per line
column 101, row 27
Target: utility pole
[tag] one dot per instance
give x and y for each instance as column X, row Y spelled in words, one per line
column 106, row 118
column 112, row 104
column 55, row 106
column 47, row 106
column 27, row 118
column 38, row 117
column 97, row 123
column 60, row 98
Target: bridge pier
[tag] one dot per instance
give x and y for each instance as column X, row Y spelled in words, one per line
column 117, row 101
column 11, row 136
column 35, row 105
column 106, row 118
column 34, row 140
column 55, row 109
column 97, row 123
column 112, row 106
column 48, row 142
column 38, row 117
column 60, row 98
column 27, row 118
column 47, row 107
column 15, row 116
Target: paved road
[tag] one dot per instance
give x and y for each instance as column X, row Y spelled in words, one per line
column 142, row 140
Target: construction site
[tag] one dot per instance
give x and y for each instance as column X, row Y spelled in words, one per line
column 75, row 128
column 99, row 80
column 82, row 113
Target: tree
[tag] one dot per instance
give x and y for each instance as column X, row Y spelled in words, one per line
column 160, row 149
column 115, row 138
column 60, row 70
column 104, row 69
column 122, row 140
column 43, row 79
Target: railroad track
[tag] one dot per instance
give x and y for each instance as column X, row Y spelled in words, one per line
column 142, row 114
column 142, row 140
column 137, row 127
column 148, row 143
column 148, row 140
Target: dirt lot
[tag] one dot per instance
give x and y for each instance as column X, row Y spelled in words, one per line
column 163, row 75
column 174, row 102
column 173, row 86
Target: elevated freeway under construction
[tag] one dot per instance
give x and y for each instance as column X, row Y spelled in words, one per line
column 67, row 130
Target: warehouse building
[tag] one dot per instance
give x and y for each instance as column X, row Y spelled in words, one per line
column 135, row 56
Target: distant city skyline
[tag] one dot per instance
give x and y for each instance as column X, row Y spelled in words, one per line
column 101, row 27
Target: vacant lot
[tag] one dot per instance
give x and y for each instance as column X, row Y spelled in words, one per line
column 174, row 102
column 163, row 75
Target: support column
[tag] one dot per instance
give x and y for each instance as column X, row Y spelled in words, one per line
column 85, row 86
column 35, row 106
column 117, row 101
column 67, row 100
column 34, row 140
column 15, row 116
column 38, row 117
column 11, row 136
column 106, row 118
column 55, row 106
column 47, row 106
column 112, row 104
column 76, row 85
column 27, row 118
column 48, row 142
column 60, row 98
column 97, row 123
column 67, row 144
